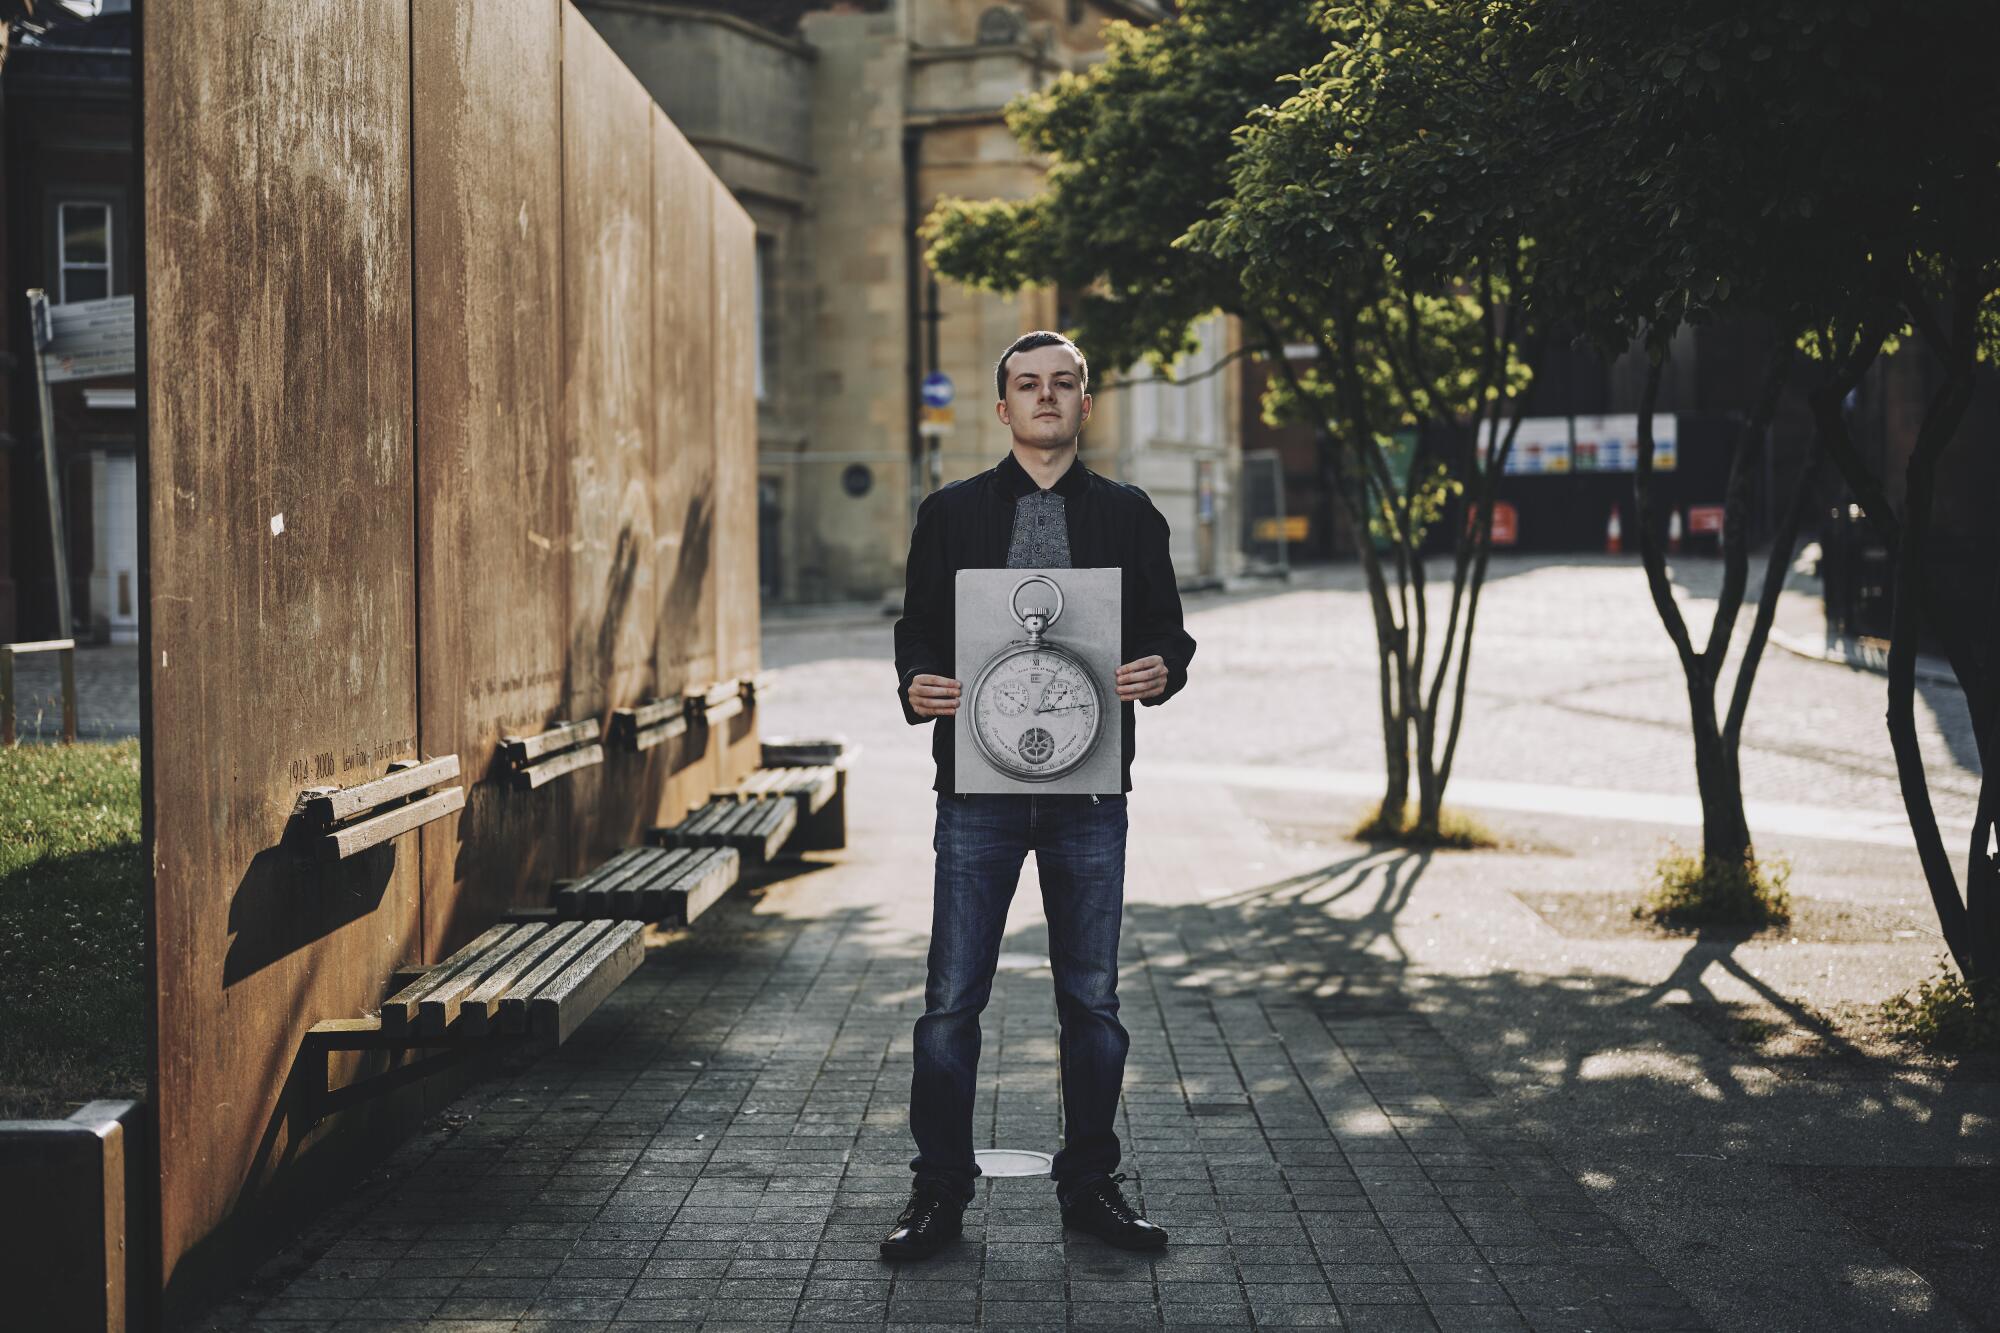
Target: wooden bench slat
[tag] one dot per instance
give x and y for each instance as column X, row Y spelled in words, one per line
column 617, row 860
column 652, row 713
column 573, row 896
column 438, row 1010
column 346, row 802
column 647, row 737
column 343, row 843
column 481, row 1007
column 632, row 861
column 665, row 896
column 399, row 1008
column 821, row 787
column 601, row 898
column 785, row 752
column 780, row 829
column 521, row 750
column 514, row 1004
column 701, row 891
column 566, row 999
column 643, row 898
column 550, row 769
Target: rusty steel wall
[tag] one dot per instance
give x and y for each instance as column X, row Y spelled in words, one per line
column 737, row 637
column 684, row 443
column 449, row 438
column 492, row 481
column 283, row 608
column 608, row 427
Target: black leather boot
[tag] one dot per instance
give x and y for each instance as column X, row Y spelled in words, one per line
column 1099, row 1207
column 934, row 1217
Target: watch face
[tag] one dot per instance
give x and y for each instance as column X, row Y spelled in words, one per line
column 1035, row 713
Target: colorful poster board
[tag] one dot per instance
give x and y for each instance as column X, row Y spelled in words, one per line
column 1611, row 443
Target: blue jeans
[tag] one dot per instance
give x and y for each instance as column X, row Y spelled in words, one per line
column 981, row 843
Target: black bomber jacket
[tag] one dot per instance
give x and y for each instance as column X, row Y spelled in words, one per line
column 968, row 525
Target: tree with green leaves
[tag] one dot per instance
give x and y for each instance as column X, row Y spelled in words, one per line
column 1167, row 200
column 1707, row 160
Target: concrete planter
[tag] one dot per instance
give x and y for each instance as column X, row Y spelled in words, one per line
column 71, row 1196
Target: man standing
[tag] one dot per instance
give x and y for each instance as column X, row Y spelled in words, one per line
column 1040, row 508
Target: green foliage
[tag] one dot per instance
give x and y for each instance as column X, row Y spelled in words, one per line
column 1943, row 1014
column 1138, row 151
column 1671, row 163
column 72, row 927
column 1688, row 891
column 1455, row 830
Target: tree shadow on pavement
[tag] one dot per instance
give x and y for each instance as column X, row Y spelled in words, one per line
column 1604, row 1069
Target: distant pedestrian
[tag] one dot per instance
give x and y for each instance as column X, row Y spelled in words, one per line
column 1039, row 508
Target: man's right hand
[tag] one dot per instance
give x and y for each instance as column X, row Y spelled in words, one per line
column 933, row 696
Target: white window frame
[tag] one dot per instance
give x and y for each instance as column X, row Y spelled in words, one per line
column 64, row 264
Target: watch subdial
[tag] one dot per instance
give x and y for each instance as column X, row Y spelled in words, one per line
column 1036, row 746
column 1011, row 698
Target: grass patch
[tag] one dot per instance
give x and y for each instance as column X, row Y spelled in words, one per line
column 1690, row 891
column 1941, row 1015
column 72, row 928
column 1456, row 830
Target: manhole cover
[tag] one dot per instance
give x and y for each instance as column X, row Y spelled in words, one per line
column 1020, row 962
column 1013, row 1162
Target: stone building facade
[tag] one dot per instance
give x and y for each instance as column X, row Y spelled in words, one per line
column 838, row 128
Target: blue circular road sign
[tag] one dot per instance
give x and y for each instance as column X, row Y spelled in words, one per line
column 937, row 389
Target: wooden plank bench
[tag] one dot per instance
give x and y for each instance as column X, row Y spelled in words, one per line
column 756, row 828
column 823, row 828
column 530, row 980
column 812, row 786
column 651, row 884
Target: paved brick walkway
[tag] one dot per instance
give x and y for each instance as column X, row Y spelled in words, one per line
column 724, row 1145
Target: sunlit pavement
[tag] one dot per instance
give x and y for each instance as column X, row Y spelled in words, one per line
column 1368, row 1089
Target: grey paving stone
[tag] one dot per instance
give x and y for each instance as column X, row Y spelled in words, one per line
column 1350, row 1175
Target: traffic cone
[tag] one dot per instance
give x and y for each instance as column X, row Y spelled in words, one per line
column 1614, row 534
column 1674, row 532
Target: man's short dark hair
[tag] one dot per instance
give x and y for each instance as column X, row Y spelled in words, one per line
column 1028, row 342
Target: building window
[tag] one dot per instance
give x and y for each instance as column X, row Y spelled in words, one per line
column 84, row 241
column 767, row 323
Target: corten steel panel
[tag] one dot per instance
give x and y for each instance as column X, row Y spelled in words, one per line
column 282, row 601
column 608, row 426
column 736, row 467
column 492, row 559
column 684, row 447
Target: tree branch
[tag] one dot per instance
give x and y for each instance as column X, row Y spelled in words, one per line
column 1940, row 423
column 1776, row 565
column 1650, row 553
column 1750, row 444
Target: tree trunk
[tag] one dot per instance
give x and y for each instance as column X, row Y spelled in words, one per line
column 1395, row 746
column 1947, row 408
column 1430, row 792
column 1725, row 832
column 1971, row 931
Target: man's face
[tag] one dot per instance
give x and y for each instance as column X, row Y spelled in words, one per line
column 1045, row 405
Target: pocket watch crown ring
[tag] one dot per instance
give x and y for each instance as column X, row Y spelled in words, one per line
column 1020, row 616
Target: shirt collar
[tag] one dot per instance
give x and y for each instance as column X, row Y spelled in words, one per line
column 1015, row 481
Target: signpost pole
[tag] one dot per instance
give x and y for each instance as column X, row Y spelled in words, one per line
column 38, row 316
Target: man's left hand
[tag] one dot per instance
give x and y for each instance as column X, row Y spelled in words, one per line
column 1142, row 679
